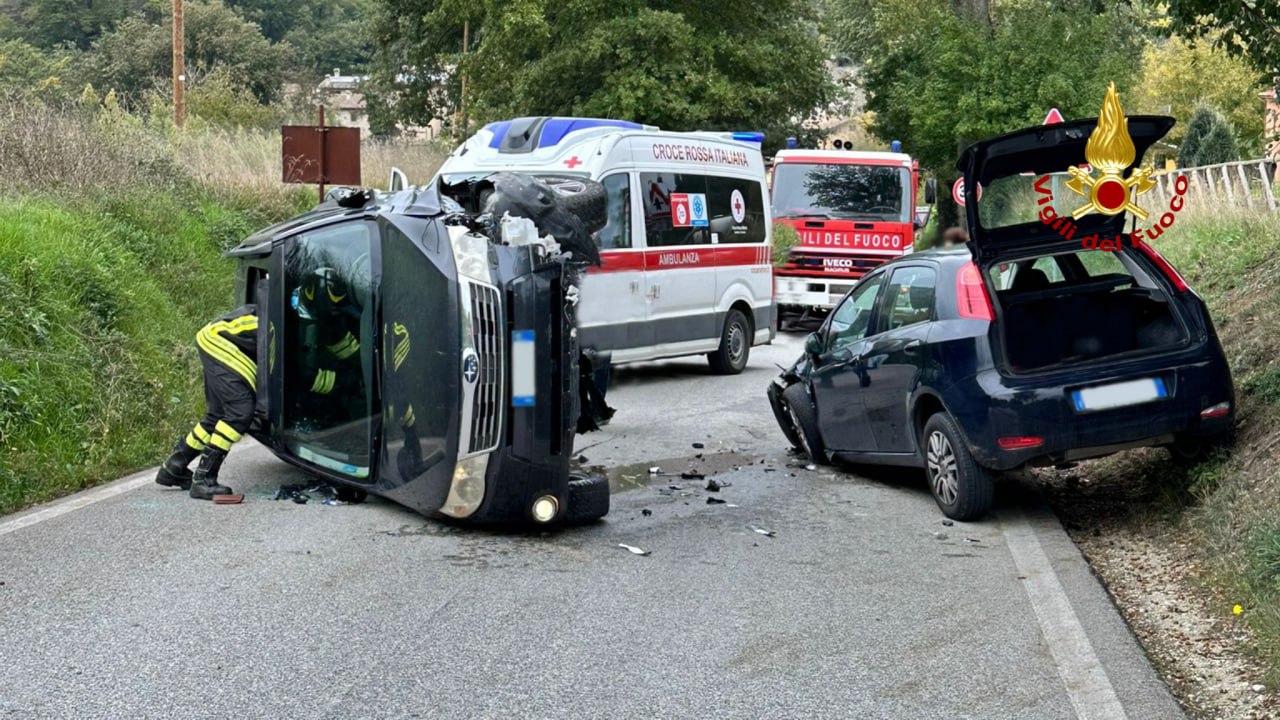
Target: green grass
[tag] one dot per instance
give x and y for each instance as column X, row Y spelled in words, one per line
column 100, row 298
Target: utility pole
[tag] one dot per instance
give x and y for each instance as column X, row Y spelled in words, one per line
column 466, row 35
column 179, row 64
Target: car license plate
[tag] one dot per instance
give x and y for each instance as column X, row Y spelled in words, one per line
column 1106, row 397
column 524, row 375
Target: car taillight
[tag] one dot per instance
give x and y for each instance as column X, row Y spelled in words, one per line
column 971, row 295
column 1019, row 442
column 1178, row 283
column 1216, row 411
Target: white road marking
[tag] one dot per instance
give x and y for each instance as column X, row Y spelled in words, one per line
column 1086, row 680
column 77, row 501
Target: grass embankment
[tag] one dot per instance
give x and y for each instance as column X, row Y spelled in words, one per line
column 110, row 259
column 1227, row 508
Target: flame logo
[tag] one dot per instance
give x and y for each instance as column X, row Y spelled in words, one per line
column 1110, row 149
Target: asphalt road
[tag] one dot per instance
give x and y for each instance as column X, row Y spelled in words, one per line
column 135, row 601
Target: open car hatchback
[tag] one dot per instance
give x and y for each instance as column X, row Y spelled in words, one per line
column 1024, row 348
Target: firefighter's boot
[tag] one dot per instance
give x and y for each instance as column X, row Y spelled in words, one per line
column 204, row 484
column 174, row 471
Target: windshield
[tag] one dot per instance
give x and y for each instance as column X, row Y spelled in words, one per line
column 842, row 192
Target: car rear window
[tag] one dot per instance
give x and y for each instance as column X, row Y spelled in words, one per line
column 1015, row 200
column 1064, row 269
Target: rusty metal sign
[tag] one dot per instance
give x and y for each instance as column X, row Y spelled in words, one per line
column 320, row 155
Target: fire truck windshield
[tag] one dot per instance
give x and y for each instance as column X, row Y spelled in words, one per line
column 876, row 193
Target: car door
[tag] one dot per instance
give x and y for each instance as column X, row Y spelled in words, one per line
column 680, row 270
column 839, row 377
column 894, row 359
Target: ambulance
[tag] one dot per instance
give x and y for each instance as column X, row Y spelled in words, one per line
column 686, row 260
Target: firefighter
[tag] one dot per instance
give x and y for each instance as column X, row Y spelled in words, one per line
column 330, row 356
column 227, row 348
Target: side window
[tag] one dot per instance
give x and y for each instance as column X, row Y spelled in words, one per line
column 1049, row 266
column 737, row 210
column 666, row 219
column 852, row 319
column 617, row 234
column 910, row 296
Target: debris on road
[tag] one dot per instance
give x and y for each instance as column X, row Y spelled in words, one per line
column 655, row 470
column 1258, row 688
column 691, row 475
column 646, row 512
column 302, row 493
column 234, row 499
column 715, row 501
column 713, row 486
column 698, row 446
column 810, row 466
column 633, row 549
column 582, row 459
column 762, row 531
column 972, row 540
column 948, row 523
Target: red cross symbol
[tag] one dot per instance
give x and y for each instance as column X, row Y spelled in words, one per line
column 573, row 162
column 737, row 204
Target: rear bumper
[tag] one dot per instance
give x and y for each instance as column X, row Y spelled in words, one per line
column 1046, row 412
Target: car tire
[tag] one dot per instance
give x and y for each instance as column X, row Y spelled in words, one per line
column 783, row 416
column 962, row 488
column 588, row 498
column 586, row 199
column 735, row 345
column 805, row 421
column 1188, row 449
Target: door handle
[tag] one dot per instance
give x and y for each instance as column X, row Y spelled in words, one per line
column 911, row 347
column 635, row 286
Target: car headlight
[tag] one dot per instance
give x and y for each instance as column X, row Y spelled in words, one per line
column 470, row 253
column 467, row 490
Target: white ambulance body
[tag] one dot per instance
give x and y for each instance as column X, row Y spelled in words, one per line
column 687, row 265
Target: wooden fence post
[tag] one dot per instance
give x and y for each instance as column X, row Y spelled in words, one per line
column 1226, row 181
column 1266, row 185
column 1244, row 182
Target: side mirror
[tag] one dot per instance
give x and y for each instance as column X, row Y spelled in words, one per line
column 398, row 180
column 922, row 216
column 931, row 191
column 813, row 344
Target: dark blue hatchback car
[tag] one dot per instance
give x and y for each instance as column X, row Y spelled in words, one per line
column 1022, row 348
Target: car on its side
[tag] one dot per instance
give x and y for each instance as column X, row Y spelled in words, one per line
column 1024, row 348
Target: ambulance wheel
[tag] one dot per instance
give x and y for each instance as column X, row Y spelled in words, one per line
column 586, row 199
column 735, row 345
column 588, row 497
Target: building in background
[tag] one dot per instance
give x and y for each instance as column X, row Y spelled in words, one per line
column 344, row 104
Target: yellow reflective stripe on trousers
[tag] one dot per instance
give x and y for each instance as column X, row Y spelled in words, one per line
column 324, row 382
column 345, row 348
column 201, row 434
column 227, row 431
column 194, row 443
column 220, row 442
column 240, row 324
column 228, row 354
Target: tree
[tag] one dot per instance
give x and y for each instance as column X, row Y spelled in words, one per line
column 1180, row 74
column 46, row 23
column 1209, row 140
column 938, row 76
column 29, row 73
column 1248, row 28
column 675, row 63
column 136, row 56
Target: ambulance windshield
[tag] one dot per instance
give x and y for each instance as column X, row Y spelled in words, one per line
column 875, row 193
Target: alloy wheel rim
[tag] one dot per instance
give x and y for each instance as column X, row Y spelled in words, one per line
column 943, row 475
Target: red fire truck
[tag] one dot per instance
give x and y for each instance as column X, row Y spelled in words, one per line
column 853, row 210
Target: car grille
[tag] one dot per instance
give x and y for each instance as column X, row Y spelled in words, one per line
column 486, row 337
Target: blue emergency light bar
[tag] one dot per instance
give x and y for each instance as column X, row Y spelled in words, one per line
column 749, row 136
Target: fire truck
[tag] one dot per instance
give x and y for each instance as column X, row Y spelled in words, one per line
column 853, row 211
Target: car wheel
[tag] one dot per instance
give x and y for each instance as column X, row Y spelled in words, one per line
column 804, row 420
column 735, row 345
column 587, row 199
column 588, row 498
column 1188, row 449
column 962, row 488
column 783, row 415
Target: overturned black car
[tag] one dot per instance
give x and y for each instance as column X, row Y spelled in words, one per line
column 452, row 378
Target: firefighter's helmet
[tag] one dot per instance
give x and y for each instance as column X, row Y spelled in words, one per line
column 323, row 294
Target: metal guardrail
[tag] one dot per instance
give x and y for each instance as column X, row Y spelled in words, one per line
column 1244, row 183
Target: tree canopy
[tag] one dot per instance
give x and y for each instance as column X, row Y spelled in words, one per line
column 1249, row 28
column 679, row 64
